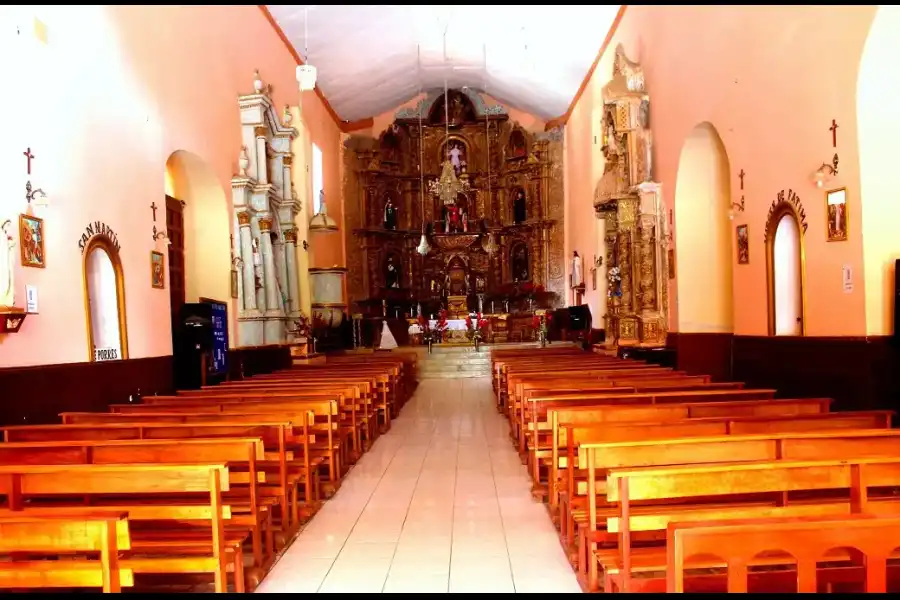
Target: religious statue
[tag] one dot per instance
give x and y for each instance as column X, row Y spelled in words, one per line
column 453, row 218
column 456, row 109
column 577, row 276
column 519, row 207
column 7, row 274
column 520, row 270
column 392, row 274
column 257, row 263
column 390, row 215
column 388, row 342
column 455, row 155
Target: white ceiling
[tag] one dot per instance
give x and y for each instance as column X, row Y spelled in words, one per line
column 367, row 56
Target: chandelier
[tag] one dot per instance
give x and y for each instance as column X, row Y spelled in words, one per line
column 449, row 185
column 489, row 244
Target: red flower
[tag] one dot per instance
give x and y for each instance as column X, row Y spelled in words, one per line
column 535, row 321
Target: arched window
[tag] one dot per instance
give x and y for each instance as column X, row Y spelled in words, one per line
column 104, row 296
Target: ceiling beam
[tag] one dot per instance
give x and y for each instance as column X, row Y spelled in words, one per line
column 344, row 126
column 562, row 120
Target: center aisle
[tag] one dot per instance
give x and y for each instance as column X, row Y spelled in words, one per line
column 441, row 503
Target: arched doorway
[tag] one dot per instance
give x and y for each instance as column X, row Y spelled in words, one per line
column 878, row 124
column 703, row 240
column 198, row 225
column 104, row 299
column 784, row 264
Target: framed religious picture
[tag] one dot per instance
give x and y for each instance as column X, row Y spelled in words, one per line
column 31, row 241
column 671, row 260
column 157, row 270
column 836, row 213
column 743, row 245
column 234, row 283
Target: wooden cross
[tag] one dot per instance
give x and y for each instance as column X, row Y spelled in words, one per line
column 29, row 156
column 153, row 207
column 741, row 175
column 833, row 129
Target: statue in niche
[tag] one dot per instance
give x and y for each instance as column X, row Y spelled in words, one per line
column 519, row 207
column 389, row 220
column 257, row 263
column 392, row 273
column 517, row 144
column 519, row 263
column 610, row 145
column 7, row 274
column 456, row 154
column 456, row 109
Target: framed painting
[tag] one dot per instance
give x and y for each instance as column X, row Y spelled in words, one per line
column 836, row 212
column 157, row 270
column 670, row 259
column 234, row 283
column 743, row 245
column 31, row 241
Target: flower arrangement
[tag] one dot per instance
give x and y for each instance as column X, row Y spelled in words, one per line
column 614, row 278
column 476, row 329
column 441, row 326
column 541, row 324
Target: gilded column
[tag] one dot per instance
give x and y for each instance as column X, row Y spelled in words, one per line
column 270, row 282
column 246, row 245
column 290, row 263
column 262, row 160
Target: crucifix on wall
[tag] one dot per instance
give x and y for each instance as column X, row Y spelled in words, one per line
column 741, row 175
column 833, row 129
column 29, row 157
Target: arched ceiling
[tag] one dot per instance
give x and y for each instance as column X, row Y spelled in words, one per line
column 371, row 59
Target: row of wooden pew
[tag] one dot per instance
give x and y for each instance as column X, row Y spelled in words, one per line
column 662, row 481
column 178, row 490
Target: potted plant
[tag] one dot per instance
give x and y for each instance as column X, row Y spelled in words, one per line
column 476, row 328
column 541, row 324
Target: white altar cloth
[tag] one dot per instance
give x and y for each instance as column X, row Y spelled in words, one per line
column 452, row 324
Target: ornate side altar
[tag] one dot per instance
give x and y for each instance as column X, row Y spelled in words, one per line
column 503, row 225
column 635, row 214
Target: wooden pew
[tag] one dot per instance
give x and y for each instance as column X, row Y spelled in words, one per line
column 97, row 531
column 571, row 511
column 240, row 454
column 799, row 543
column 726, row 491
column 185, row 493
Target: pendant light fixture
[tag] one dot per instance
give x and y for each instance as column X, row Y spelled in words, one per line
column 423, row 248
column 306, row 73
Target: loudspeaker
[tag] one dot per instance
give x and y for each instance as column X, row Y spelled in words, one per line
column 897, row 301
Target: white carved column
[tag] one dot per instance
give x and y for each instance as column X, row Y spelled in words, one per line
column 270, row 283
column 290, row 263
column 262, row 175
column 246, row 245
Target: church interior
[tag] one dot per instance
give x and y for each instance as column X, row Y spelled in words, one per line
column 449, row 299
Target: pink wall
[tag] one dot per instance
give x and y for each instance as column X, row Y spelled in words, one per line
column 769, row 79
column 117, row 90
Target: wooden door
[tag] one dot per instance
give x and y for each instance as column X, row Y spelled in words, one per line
column 175, row 230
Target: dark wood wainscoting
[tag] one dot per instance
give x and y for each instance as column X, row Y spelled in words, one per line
column 860, row 373
column 258, row 360
column 703, row 353
column 38, row 394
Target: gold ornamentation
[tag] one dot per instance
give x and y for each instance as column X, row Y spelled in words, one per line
column 287, row 160
column 260, row 131
column 290, row 236
column 243, row 218
column 265, row 225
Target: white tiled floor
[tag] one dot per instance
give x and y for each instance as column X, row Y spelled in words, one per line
column 441, row 503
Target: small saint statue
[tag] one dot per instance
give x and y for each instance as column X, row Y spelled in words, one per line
column 390, row 216
column 454, row 155
column 392, row 277
column 519, row 207
column 7, row 273
column 577, row 274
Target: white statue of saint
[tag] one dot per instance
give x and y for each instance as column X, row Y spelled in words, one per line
column 454, row 155
column 577, row 274
column 387, row 338
column 7, row 274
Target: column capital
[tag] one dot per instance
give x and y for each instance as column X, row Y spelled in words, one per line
column 260, row 131
column 287, row 160
column 243, row 218
column 290, row 236
column 265, row 225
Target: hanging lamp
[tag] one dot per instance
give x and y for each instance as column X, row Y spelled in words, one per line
column 423, row 248
column 306, row 73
